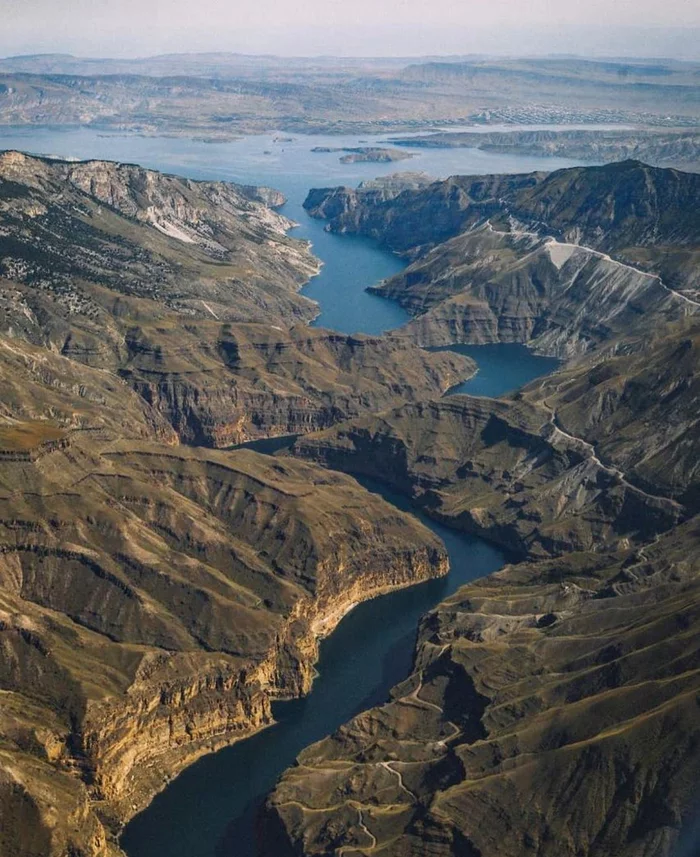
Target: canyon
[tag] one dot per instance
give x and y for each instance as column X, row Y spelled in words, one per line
column 161, row 590
column 552, row 708
column 157, row 595
column 561, row 261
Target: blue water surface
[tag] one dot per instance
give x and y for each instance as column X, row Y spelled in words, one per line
column 350, row 264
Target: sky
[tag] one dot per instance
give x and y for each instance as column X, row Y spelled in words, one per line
column 129, row 28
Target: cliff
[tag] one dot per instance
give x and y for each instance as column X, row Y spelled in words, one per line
column 187, row 291
column 602, row 453
column 553, row 706
column 552, row 710
column 153, row 601
column 562, row 262
column 404, row 216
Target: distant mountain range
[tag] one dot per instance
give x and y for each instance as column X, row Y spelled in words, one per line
column 220, row 95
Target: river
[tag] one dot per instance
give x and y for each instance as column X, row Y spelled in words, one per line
column 209, row 809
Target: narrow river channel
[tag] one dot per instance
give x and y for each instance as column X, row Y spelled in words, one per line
column 209, row 809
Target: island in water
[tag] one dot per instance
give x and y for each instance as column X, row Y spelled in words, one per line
column 366, row 154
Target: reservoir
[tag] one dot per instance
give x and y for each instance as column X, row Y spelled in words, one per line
column 209, row 809
column 349, row 263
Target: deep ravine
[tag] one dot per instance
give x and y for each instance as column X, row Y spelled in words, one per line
column 210, row 809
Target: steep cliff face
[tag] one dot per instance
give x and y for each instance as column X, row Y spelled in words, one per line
column 562, row 262
column 87, row 237
column 187, row 290
column 153, row 601
column 602, row 453
column 405, row 218
column 220, row 385
column 552, row 710
column 553, row 706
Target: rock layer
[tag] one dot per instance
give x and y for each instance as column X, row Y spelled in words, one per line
column 187, row 291
column 562, row 262
column 156, row 597
column 220, row 385
column 597, row 454
column 553, row 706
column 153, row 601
column 552, row 710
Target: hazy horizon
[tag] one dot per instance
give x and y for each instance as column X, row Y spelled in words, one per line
column 593, row 54
column 127, row 29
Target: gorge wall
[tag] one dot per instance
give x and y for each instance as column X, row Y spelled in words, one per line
column 156, row 596
column 553, row 706
column 562, row 262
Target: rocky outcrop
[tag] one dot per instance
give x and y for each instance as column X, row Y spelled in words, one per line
column 224, row 385
column 552, row 709
column 268, row 196
column 553, row 706
column 562, row 262
column 137, row 276
column 601, row 454
column 153, row 601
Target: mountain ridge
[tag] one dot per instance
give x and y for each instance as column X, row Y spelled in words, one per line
column 495, row 259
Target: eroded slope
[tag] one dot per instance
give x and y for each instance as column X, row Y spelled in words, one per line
column 553, row 706
column 153, row 600
column 553, row 710
column 562, row 261
column 187, row 290
column 605, row 451
column 154, row 596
